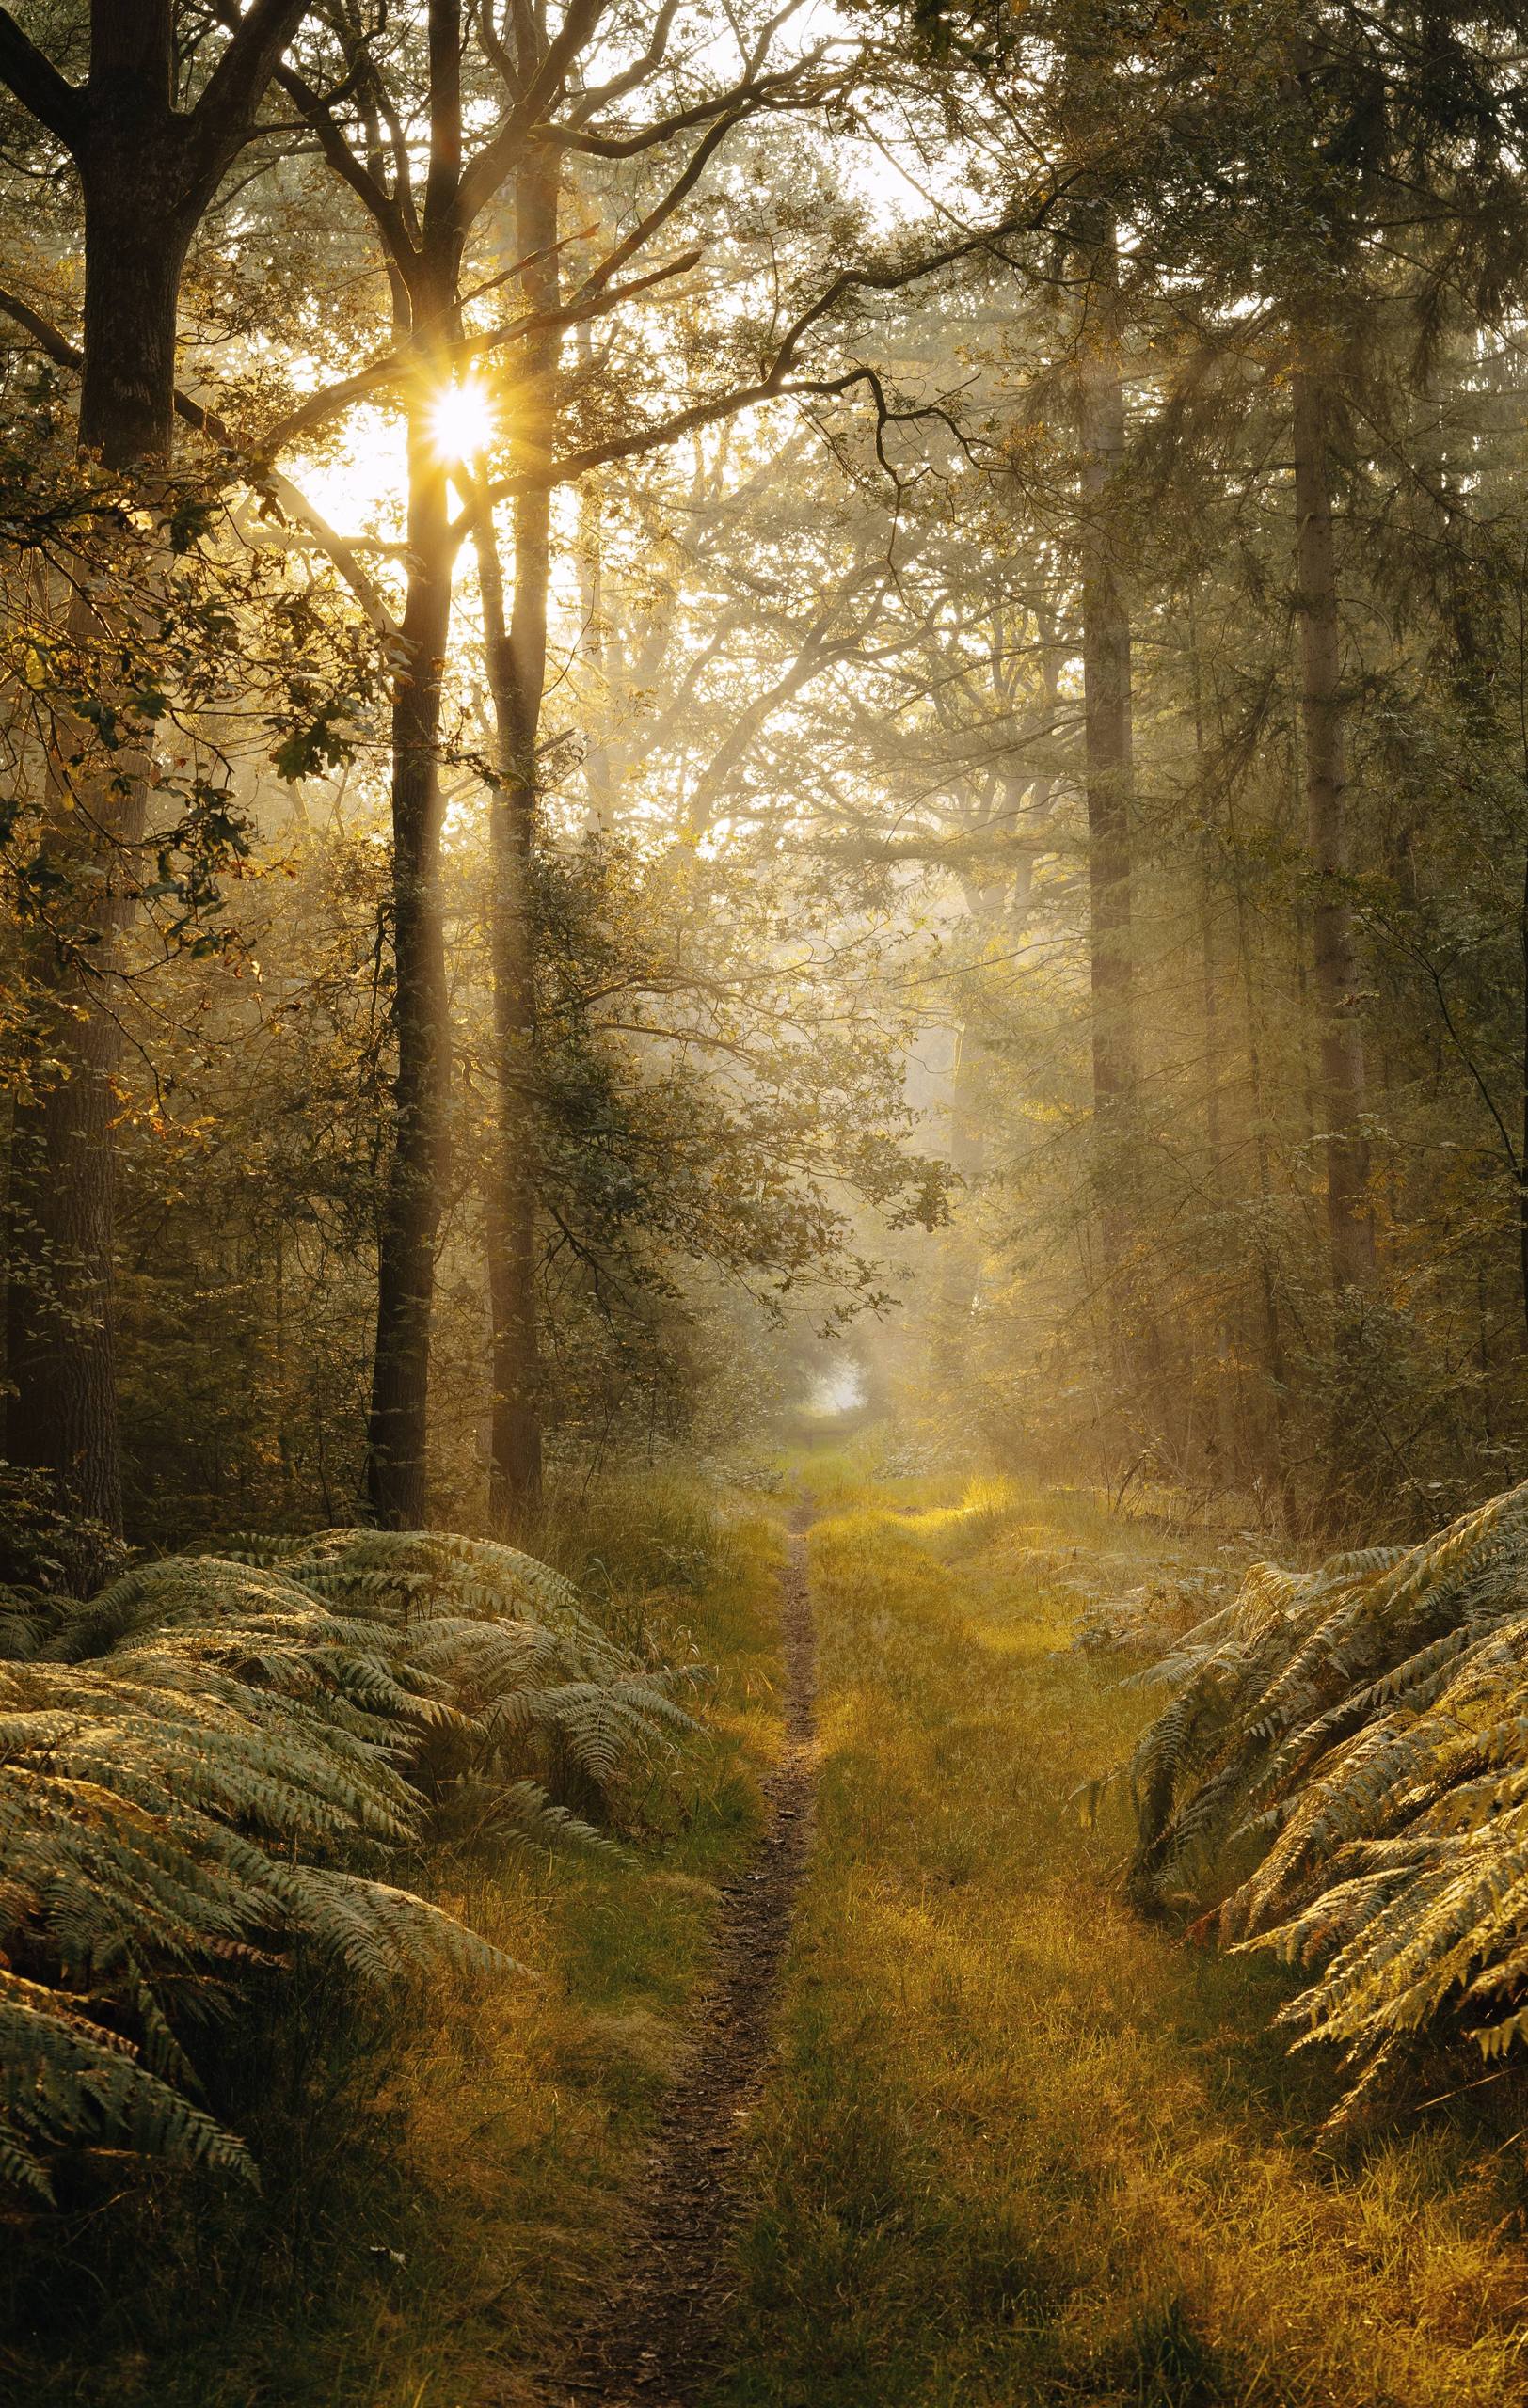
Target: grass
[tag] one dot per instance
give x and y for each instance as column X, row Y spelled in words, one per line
column 1024, row 2148
column 1021, row 2147
column 443, row 2186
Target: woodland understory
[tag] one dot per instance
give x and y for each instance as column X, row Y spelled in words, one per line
column 764, row 803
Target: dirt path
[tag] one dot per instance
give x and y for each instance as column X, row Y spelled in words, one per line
column 657, row 2337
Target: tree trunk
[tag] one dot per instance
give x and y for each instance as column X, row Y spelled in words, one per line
column 1275, row 1446
column 961, row 1266
column 1226, row 1447
column 134, row 254
column 515, row 1420
column 1522, row 1151
column 147, row 170
column 412, row 1202
column 62, row 1414
column 427, row 302
column 1333, row 950
column 1110, row 771
column 1109, row 764
column 516, row 660
column 600, row 783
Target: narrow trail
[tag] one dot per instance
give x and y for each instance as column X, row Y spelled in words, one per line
column 657, row 2337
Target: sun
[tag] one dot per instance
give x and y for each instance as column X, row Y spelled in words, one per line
column 462, row 420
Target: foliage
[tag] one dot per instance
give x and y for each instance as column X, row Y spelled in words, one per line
column 1359, row 1731
column 139, row 623
column 200, row 1767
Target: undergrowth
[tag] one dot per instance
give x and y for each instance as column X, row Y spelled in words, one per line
column 206, row 1768
column 440, row 2159
column 1344, row 1767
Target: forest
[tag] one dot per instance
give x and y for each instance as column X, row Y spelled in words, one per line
column 764, row 1171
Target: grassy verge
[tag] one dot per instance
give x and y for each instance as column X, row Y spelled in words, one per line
column 1026, row 2148
column 444, row 2185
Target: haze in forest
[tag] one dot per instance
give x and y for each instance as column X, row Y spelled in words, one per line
column 763, row 977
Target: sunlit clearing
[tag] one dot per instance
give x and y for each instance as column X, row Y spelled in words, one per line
column 461, row 422
column 842, row 1390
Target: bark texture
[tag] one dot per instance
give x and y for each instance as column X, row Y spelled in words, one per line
column 1333, row 950
column 426, row 282
column 398, row 1429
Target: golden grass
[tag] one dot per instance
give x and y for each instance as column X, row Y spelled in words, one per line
column 1024, row 2148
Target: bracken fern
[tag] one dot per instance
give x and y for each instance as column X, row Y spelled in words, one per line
column 203, row 1768
column 1345, row 1758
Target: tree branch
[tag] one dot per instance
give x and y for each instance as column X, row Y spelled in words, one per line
column 589, row 104
column 220, row 121
column 789, row 90
column 379, row 203
column 295, row 504
column 778, row 382
column 646, row 227
column 397, row 365
column 54, row 345
column 38, row 85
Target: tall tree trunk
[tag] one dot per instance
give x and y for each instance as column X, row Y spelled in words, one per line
column 427, row 302
column 135, row 256
column 516, row 660
column 1522, row 1170
column 1333, row 950
column 1110, row 775
column 1226, row 1446
column 1109, row 760
column 1224, row 1402
column 1276, row 1445
column 600, row 783
column 962, row 1259
column 61, row 1359
column 398, row 1429
column 149, row 171
column 514, row 1445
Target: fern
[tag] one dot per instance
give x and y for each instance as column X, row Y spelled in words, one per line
column 66, row 2079
column 206, row 1767
column 521, row 1678
column 1360, row 1732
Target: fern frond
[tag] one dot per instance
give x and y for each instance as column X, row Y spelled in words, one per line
column 1365, row 1728
column 203, row 1767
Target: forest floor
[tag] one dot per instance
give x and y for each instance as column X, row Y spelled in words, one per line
column 924, row 2118
column 1019, row 2145
column 661, row 2326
